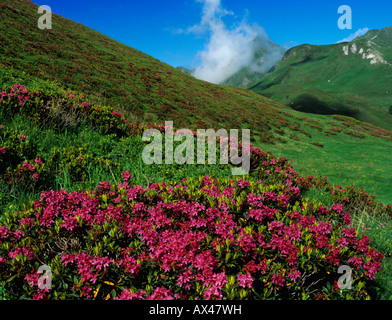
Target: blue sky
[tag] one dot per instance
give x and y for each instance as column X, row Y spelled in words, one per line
column 152, row 26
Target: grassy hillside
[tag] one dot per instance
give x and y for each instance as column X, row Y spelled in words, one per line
column 347, row 151
column 111, row 227
column 337, row 79
column 137, row 85
column 148, row 91
column 76, row 195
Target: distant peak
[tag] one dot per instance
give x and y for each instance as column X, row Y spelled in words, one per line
column 387, row 29
column 381, row 37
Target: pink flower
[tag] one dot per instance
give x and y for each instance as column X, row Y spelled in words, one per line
column 127, row 295
column 245, row 280
column 243, row 184
column 362, row 244
column 39, row 296
column 101, row 262
column 2, row 150
column 339, row 208
column 36, row 176
column 254, row 199
column 32, row 278
column 126, row 176
column 161, row 293
column 276, row 226
column 21, row 252
column 184, row 279
column 333, row 257
column 294, row 274
column 293, row 232
column 278, row 280
column 117, row 114
column 295, row 191
column 356, row 261
column 2, row 261
column 26, row 221
column 23, row 138
column 212, row 293
column 4, row 232
column 321, row 228
column 347, row 219
column 105, row 185
column 38, row 161
column 130, row 264
column 372, row 269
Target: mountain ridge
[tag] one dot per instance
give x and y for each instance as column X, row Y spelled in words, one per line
column 341, row 72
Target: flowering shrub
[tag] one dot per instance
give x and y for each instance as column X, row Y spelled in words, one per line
column 14, row 146
column 40, row 172
column 33, row 173
column 40, row 106
column 198, row 239
column 365, row 127
column 246, row 238
column 75, row 162
column 18, row 152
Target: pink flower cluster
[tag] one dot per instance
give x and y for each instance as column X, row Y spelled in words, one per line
column 199, row 232
column 18, row 91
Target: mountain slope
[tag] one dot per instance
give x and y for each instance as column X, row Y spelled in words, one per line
column 352, row 79
column 146, row 90
column 141, row 87
column 110, row 226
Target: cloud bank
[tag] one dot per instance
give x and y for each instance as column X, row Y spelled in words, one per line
column 230, row 49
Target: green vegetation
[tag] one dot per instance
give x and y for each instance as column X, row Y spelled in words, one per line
column 147, row 91
column 75, row 193
column 353, row 153
column 208, row 236
column 336, row 79
column 84, row 145
column 379, row 230
column 142, row 88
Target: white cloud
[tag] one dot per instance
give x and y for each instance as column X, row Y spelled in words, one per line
column 227, row 50
column 357, row 34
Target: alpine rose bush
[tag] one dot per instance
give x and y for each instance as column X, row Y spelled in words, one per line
column 255, row 237
column 198, row 239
